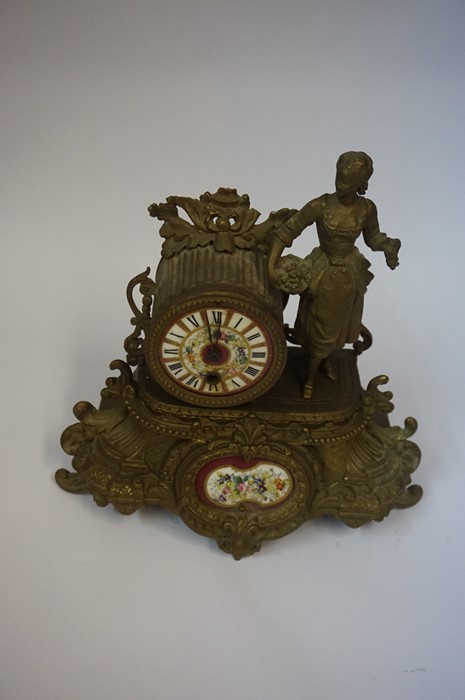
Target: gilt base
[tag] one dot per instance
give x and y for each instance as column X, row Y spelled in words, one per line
column 252, row 473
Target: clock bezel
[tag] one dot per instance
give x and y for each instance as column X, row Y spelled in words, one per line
column 226, row 300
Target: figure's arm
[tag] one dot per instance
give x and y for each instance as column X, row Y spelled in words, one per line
column 263, row 232
column 376, row 240
column 284, row 236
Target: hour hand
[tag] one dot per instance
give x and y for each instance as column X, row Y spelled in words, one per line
column 209, row 331
column 217, row 333
column 213, row 350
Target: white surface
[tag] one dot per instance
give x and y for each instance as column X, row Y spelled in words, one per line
column 108, row 106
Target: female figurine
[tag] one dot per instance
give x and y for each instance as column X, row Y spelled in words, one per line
column 330, row 310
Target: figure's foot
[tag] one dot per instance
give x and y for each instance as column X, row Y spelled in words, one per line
column 329, row 370
column 308, row 391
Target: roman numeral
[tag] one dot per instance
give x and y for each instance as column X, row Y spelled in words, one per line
column 217, row 317
column 253, row 336
column 213, row 387
column 252, row 371
column 193, row 382
column 193, row 321
column 171, row 351
column 233, row 381
column 176, row 335
column 259, row 355
column 239, row 322
column 175, row 368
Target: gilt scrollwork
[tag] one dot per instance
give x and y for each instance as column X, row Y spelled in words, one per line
column 134, row 342
column 223, row 219
column 131, row 454
column 248, row 438
column 369, row 474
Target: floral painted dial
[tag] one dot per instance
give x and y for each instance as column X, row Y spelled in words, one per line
column 215, row 351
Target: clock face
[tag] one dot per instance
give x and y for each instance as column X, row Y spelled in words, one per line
column 215, row 352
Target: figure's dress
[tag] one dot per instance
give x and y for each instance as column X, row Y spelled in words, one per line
column 330, row 311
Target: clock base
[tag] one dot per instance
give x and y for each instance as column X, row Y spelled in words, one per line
column 250, row 473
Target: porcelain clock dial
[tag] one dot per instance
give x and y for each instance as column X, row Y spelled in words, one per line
column 215, row 351
column 215, row 356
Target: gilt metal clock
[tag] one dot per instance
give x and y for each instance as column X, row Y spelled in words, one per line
column 224, row 414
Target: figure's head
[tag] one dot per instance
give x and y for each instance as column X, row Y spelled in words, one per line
column 353, row 170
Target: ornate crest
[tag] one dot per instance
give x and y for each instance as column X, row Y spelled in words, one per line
column 223, row 219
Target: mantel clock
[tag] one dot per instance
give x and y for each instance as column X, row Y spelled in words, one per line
column 245, row 426
column 216, row 335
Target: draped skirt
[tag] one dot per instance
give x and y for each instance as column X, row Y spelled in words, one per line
column 330, row 310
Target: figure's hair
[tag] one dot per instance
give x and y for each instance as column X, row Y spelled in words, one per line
column 360, row 161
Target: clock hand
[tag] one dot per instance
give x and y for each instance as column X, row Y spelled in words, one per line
column 213, row 352
column 210, row 332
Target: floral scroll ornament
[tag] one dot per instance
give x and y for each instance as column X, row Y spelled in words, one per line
column 249, row 438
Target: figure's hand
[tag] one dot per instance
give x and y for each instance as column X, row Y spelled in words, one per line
column 392, row 261
column 153, row 210
column 281, row 213
column 391, row 251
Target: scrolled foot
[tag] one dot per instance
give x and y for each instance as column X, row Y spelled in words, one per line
column 410, row 497
column 71, row 482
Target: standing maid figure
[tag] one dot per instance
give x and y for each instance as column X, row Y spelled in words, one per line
column 330, row 309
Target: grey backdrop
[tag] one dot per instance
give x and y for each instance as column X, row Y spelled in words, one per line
column 107, row 106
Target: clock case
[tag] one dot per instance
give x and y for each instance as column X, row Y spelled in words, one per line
column 249, row 467
column 199, row 279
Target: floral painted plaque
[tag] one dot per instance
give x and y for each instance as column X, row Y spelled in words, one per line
column 229, row 482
